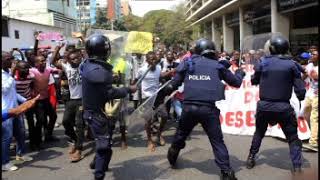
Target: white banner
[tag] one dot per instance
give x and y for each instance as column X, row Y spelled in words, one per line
column 238, row 110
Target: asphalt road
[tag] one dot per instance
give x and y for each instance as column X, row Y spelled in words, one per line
column 196, row 161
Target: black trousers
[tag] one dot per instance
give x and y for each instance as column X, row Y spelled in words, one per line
column 102, row 131
column 31, row 125
column 72, row 117
column 208, row 117
column 43, row 108
column 288, row 123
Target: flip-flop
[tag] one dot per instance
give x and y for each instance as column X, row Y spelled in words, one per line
column 151, row 147
column 74, row 159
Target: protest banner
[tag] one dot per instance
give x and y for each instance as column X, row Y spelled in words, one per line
column 239, row 108
column 51, row 36
column 139, row 42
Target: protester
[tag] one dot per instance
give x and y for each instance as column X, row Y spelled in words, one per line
column 149, row 85
column 24, row 86
column 311, row 101
column 72, row 118
column 43, row 107
column 14, row 126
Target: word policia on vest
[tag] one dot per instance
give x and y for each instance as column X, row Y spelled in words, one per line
column 199, row 77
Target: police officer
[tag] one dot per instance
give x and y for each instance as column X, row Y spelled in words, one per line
column 202, row 74
column 97, row 90
column 277, row 74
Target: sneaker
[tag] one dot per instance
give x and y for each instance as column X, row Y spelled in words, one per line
column 9, row 167
column 57, row 125
column 24, row 158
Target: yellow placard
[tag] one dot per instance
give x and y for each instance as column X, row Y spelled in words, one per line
column 139, row 42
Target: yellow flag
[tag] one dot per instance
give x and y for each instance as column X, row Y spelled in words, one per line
column 139, row 42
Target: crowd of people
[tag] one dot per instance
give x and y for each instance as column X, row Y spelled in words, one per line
column 43, row 78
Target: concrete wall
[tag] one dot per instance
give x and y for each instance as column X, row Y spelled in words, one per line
column 26, row 37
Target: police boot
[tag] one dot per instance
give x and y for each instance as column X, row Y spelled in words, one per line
column 108, row 159
column 173, row 155
column 228, row 175
column 93, row 163
column 250, row 161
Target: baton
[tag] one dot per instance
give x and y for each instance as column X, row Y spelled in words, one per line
column 142, row 77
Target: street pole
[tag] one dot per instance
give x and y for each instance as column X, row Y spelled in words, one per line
column 112, row 24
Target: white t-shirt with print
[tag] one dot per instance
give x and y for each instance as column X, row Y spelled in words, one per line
column 74, row 80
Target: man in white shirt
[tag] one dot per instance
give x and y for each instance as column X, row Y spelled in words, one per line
column 13, row 126
column 311, row 100
column 72, row 117
column 149, row 86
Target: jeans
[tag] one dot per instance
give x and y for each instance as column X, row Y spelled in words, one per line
column 12, row 127
column 72, row 117
column 177, row 105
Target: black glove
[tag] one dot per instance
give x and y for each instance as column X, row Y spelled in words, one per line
column 225, row 63
column 240, row 72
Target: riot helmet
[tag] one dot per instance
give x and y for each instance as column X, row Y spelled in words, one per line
column 279, row 45
column 98, row 46
column 205, row 47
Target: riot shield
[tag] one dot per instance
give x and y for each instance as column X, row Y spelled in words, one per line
column 143, row 113
column 254, row 47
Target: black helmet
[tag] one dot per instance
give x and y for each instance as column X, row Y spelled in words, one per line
column 279, row 45
column 98, row 45
column 204, row 46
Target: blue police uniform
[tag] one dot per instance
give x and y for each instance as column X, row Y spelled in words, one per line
column 276, row 76
column 97, row 90
column 202, row 81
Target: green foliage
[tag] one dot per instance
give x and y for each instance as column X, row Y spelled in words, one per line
column 103, row 23
column 169, row 26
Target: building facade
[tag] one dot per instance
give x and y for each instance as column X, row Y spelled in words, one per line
column 20, row 34
column 59, row 13
column 113, row 9
column 125, row 8
column 228, row 22
column 86, row 13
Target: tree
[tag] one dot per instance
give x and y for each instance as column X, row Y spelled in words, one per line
column 101, row 20
column 169, row 25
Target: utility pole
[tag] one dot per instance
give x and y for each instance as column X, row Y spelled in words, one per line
column 112, row 24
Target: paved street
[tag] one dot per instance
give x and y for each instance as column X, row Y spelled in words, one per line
column 195, row 162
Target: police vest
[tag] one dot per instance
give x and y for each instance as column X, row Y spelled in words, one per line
column 276, row 80
column 96, row 80
column 202, row 82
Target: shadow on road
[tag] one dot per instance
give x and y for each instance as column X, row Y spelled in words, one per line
column 278, row 158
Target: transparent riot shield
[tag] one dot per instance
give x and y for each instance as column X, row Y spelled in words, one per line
column 254, row 47
column 143, row 113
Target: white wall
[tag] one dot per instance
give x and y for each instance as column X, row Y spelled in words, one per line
column 26, row 37
column 61, row 7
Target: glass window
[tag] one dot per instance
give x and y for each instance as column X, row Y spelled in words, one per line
column 16, row 34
